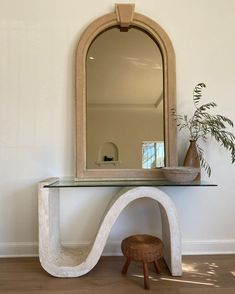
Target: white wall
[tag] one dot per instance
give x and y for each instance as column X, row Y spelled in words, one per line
column 37, row 46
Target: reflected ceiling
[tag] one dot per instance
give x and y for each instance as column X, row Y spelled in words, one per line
column 129, row 59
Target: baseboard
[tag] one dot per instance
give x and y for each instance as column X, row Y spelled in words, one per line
column 205, row 247
column 18, row 249
column 202, row 247
column 208, row 247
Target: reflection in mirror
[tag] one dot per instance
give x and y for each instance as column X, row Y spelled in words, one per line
column 125, row 123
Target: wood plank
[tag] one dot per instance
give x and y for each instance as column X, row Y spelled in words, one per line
column 207, row 274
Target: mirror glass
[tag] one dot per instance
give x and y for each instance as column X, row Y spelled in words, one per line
column 124, row 101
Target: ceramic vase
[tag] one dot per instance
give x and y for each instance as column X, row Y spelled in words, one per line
column 192, row 157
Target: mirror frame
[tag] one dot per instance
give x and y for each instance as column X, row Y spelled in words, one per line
column 124, row 16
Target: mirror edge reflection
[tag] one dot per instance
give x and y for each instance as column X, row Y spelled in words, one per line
column 169, row 86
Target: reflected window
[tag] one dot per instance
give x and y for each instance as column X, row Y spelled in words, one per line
column 152, row 154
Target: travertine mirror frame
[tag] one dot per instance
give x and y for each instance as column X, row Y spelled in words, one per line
column 124, row 16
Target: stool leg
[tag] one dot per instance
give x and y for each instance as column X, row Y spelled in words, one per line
column 157, row 267
column 126, row 265
column 146, row 275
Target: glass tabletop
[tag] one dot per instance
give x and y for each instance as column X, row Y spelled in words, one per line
column 123, row 183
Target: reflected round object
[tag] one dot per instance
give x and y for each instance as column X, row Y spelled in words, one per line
column 180, row 174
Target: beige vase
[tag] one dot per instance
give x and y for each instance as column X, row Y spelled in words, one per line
column 192, row 157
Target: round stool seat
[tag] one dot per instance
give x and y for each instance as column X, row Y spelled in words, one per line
column 143, row 248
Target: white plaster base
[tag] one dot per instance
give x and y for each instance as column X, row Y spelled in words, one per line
column 69, row 262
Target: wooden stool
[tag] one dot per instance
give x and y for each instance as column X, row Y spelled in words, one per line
column 143, row 248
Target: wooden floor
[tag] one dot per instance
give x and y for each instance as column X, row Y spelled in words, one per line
column 201, row 275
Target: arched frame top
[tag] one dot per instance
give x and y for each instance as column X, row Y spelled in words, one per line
column 169, row 87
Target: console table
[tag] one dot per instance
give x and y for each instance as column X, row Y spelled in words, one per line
column 66, row 262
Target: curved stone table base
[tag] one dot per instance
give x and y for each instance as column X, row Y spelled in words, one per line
column 62, row 262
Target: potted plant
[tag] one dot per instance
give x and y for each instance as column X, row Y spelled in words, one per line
column 201, row 125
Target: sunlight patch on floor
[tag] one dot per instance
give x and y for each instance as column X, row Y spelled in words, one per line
column 138, row 276
column 205, row 274
column 189, row 267
column 187, row 281
column 141, row 276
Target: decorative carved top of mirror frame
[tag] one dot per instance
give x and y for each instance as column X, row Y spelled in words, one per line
column 124, row 16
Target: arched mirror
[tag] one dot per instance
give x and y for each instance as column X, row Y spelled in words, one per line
column 125, row 89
